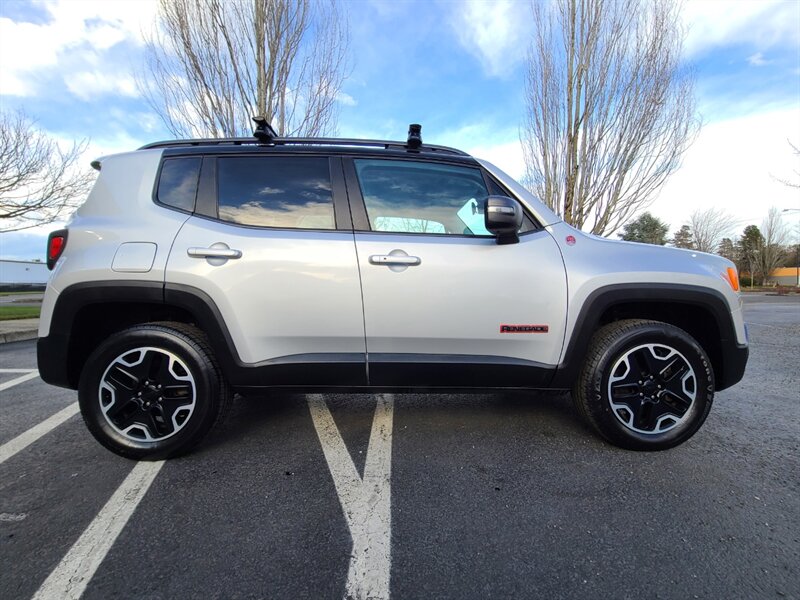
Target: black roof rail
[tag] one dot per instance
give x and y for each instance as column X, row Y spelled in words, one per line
column 252, row 141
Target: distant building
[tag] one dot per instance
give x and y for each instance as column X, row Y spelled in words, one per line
column 784, row 276
column 23, row 274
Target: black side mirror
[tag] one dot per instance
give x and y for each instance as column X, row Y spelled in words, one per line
column 503, row 218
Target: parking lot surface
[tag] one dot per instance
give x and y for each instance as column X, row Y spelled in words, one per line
column 441, row 496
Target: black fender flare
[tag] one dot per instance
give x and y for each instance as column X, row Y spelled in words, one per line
column 733, row 355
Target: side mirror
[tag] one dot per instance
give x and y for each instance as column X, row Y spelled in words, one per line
column 503, row 218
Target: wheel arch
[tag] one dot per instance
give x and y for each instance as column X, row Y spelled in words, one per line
column 86, row 314
column 702, row 312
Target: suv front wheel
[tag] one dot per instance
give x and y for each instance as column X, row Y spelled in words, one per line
column 645, row 385
column 152, row 391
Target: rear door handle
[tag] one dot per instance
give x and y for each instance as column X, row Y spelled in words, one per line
column 391, row 259
column 215, row 251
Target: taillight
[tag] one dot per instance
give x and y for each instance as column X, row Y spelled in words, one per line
column 56, row 242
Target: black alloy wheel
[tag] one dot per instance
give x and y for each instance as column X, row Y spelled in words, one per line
column 152, row 391
column 147, row 394
column 645, row 385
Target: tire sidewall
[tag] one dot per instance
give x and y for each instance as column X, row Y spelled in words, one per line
column 650, row 333
column 206, row 392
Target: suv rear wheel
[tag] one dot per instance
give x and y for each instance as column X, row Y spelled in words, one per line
column 645, row 385
column 152, row 391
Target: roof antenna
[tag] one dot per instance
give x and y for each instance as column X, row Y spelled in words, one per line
column 264, row 131
column 414, row 137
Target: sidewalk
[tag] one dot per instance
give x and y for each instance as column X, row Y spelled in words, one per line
column 17, row 330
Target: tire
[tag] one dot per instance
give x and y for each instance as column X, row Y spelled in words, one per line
column 644, row 385
column 152, row 391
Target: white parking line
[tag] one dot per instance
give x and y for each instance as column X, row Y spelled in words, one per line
column 17, row 380
column 17, row 370
column 365, row 503
column 70, row 578
column 24, row 440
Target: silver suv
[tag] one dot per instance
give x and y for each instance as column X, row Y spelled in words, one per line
column 200, row 268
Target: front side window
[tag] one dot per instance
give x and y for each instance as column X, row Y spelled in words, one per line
column 418, row 197
column 275, row 191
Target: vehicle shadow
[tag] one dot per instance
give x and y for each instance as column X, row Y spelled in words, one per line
column 546, row 413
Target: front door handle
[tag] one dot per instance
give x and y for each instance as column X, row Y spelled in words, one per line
column 392, row 259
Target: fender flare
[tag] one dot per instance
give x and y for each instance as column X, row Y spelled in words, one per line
column 733, row 356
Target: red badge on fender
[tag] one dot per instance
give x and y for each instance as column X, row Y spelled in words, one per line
column 570, row 240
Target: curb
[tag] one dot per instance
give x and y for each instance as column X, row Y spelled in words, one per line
column 18, row 336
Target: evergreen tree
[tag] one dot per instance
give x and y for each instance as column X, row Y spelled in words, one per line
column 727, row 249
column 683, row 238
column 751, row 246
column 646, row 229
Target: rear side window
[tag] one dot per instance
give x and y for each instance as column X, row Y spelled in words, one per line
column 275, row 191
column 177, row 185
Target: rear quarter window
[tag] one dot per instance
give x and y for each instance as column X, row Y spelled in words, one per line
column 177, row 182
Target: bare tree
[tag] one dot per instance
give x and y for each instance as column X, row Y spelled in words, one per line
column 796, row 182
column 214, row 64
column 610, row 110
column 776, row 238
column 39, row 181
column 709, row 227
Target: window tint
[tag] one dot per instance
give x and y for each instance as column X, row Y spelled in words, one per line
column 417, row 197
column 177, row 186
column 276, row 191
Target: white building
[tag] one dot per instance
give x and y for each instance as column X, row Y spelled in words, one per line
column 23, row 273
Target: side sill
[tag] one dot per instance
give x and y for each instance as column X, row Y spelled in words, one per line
column 456, row 371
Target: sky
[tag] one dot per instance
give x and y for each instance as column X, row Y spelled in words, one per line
column 456, row 67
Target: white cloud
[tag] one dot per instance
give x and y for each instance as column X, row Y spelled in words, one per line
column 90, row 84
column 492, row 31
column 500, row 146
column 87, row 27
column 757, row 60
column 734, row 165
column 346, row 99
column 762, row 23
column 506, row 155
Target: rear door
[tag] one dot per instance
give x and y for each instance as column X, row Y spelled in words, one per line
column 444, row 304
column 271, row 245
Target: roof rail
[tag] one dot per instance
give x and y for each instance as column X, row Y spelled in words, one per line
column 251, row 141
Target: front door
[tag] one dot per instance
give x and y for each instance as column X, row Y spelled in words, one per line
column 444, row 304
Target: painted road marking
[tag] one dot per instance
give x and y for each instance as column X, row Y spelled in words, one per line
column 365, row 502
column 25, row 439
column 17, row 380
column 70, row 578
column 17, row 370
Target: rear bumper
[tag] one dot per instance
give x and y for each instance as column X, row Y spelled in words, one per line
column 51, row 356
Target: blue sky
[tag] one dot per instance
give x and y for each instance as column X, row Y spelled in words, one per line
column 455, row 67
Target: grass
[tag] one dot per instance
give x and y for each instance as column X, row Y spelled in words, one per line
column 8, row 313
column 19, row 293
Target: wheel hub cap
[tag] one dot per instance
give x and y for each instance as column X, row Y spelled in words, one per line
column 147, row 394
column 652, row 388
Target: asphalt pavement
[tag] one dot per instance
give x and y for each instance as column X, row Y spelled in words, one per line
column 492, row 496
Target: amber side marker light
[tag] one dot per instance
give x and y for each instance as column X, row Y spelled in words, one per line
column 732, row 277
